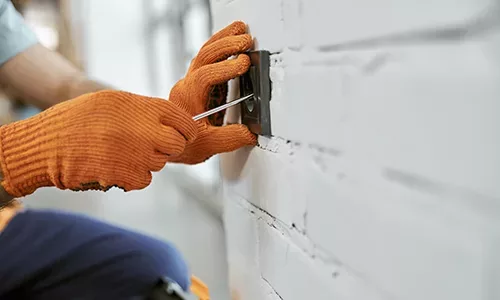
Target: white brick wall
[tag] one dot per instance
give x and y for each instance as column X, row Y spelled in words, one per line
column 381, row 180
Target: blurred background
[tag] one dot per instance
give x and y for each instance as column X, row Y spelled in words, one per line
column 142, row 46
column 385, row 186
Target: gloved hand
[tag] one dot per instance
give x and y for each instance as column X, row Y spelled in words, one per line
column 95, row 141
column 205, row 87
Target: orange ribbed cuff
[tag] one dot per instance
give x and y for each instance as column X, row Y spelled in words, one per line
column 24, row 166
column 96, row 141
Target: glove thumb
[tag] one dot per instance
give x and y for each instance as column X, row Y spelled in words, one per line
column 229, row 138
column 215, row 140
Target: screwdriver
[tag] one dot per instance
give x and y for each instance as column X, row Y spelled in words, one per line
column 222, row 107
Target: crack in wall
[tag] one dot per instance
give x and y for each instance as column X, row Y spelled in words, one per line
column 270, row 286
column 308, row 247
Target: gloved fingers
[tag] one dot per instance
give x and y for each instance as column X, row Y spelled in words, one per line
column 217, row 73
column 235, row 28
column 131, row 182
column 172, row 115
column 222, row 49
column 229, row 138
column 169, row 141
column 145, row 182
column 157, row 161
column 215, row 140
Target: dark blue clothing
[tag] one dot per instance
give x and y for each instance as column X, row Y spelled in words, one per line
column 54, row 255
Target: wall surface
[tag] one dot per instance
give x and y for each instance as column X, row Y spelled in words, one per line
column 381, row 178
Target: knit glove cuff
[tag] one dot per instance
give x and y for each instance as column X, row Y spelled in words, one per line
column 94, row 142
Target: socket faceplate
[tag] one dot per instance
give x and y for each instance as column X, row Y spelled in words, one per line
column 255, row 112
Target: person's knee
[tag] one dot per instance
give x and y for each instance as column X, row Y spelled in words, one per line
column 142, row 261
column 164, row 260
column 95, row 260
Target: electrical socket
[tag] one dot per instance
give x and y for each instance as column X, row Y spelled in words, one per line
column 255, row 112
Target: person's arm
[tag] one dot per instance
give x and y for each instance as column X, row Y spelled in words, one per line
column 108, row 139
column 44, row 77
column 40, row 76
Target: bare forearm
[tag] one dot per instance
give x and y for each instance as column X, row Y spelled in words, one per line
column 78, row 86
column 44, row 77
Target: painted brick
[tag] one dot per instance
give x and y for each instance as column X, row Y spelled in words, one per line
column 313, row 105
column 492, row 267
column 390, row 235
column 412, row 115
column 264, row 19
column 383, row 167
column 404, row 108
column 292, row 11
column 279, row 115
column 295, row 275
column 279, row 191
column 242, row 248
column 243, row 236
column 327, row 23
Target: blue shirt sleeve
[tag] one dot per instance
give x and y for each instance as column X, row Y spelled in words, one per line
column 15, row 35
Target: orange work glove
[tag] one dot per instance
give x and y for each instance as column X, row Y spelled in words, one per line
column 205, row 87
column 95, row 141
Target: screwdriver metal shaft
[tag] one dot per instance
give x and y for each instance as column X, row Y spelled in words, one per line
column 222, row 107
